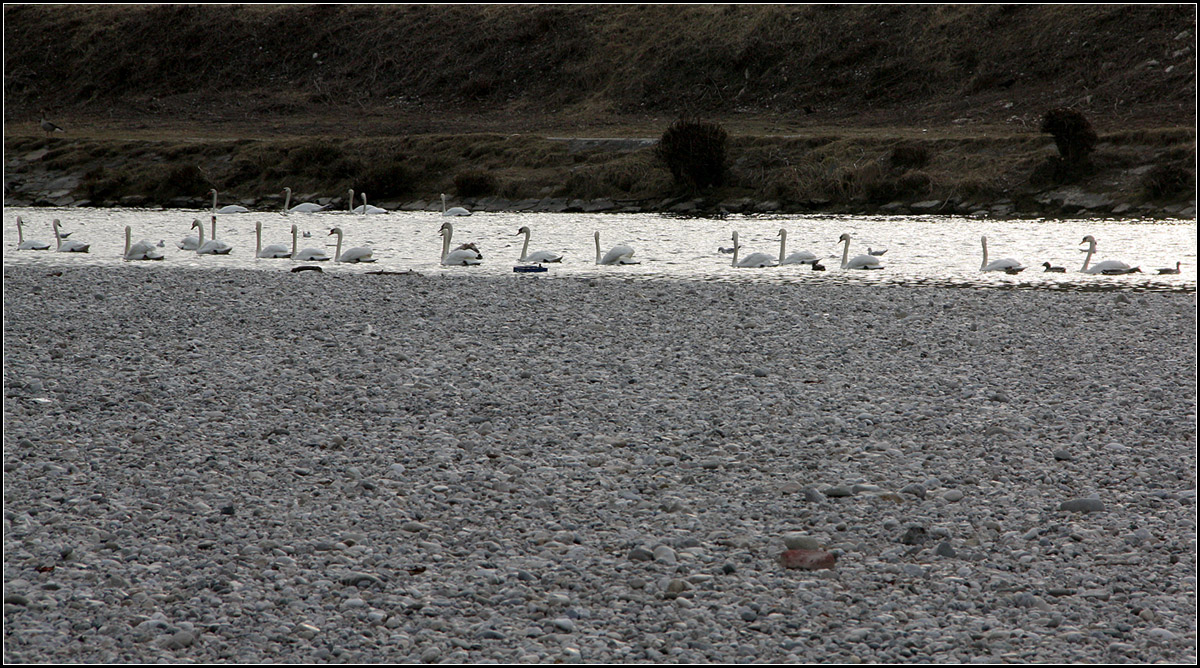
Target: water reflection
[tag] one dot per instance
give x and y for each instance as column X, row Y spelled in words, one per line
column 923, row 251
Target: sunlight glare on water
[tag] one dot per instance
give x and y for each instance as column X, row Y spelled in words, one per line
column 921, row 250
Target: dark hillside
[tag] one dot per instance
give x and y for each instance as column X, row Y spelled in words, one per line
column 879, row 63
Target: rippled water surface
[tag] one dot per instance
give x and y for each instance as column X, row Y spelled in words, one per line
column 921, row 250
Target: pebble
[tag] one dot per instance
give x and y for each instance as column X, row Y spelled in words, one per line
column 401, row 492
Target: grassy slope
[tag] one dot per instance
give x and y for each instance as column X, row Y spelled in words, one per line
column 815, row 97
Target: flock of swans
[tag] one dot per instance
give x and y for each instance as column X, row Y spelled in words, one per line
column 468, row 254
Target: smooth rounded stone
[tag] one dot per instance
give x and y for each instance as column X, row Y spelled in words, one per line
column 665, row 554
column 1063, row 455
column 953, row 495
column 1082, row 505
column 641, row 553
column 838, row 491
column 915, row 489
column 800, row 541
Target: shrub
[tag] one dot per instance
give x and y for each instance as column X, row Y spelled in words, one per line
column 694, row 152
column 182, row 181
column 384, row 180
column 1072, row 133
column 474, row 183
column 1167, row 181
column 909, row 156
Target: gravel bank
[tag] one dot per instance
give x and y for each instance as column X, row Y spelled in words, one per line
column 241, row 466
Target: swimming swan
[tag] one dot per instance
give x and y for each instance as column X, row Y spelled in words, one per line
column 751, row 260
column 454, row 210
column 272, row 251
column 536, row 256
column 31, row 244
column 212, row 246
column 859, row 261
column 618, row 254
column 232, row 208
column 799, row 257
column 1105, row 267
column 308, row 254
column 466, row 254
column 356, row 254
column 142, row 250
column 67, row 246
column 304, row 207
column 1004, row 264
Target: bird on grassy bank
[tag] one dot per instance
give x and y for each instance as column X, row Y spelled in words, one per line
column 66, row 245
column 22, row 244
column 1007, row 265
column 859, row 261
column 618, row 255
column 536, row 256
column 1107, row 267
column 48, row 127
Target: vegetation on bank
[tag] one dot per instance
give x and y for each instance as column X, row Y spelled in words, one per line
column 821, row 107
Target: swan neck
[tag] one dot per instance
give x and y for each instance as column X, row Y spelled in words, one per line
column 293, row 242
column 846, row 254
column 596, row 236
column 983, row 265
column 257, row 238
column 525, row 248
column 127, row 233
column 287, row 199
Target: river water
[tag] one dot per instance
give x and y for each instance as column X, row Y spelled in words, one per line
column 921, row 250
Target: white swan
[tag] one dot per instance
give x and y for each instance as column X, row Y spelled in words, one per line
column 1105, row 267
column 22, row 244
column 618, row 255
column 799, row 257
column 752, row 260
column 272, row 251
column 1171, row 271
column 304, row 207
column 211, row 247
column 142, row 250
column 232, row 208
column 356, row 254
column 466, row 254
column 1007, row 264
column 454, row 210
column 536, row 256
column 859, row 261
column 308, row 254
column 365, row 208
column 190, row 243
column 67, row 246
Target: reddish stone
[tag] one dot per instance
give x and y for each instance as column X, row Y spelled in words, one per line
column 809, row 560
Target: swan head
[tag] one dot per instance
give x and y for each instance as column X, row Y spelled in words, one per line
column 195, row 223
column 287, row 190
column 336, row 230
column 55, row 224
column 212, row 191
column 446, row 227
column 523, row 230
column 845, row 237
column 782, row 233
column 294, row 230
column 1089, row 239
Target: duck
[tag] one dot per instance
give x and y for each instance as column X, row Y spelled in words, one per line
column 1169, row 270
column 1052, row 269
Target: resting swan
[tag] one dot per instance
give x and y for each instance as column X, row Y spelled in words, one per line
column 356, row 254
column 212, row 246
column 618, row 254
column 365, row 208
column 22, row 244
column 1004, row 264
column 454, row 210
column 859, row 261
column 466, row 254
column 536, row 256
column 304, row 207
column 142, row 250
column 1105, row 267
column 751, row 260
column 272, row 251
column 799, row 257
column 67, row 246
column 232, row 208
column 308, row 254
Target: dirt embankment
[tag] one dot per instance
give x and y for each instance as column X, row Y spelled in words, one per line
column 824, row 105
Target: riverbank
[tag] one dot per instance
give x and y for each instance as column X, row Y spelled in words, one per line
column 240, row 466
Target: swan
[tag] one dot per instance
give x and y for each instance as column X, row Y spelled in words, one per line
column 859, row 261
column 1052, row 269
column 272, row 251
column 365, row 208
column 454, row 210
column 190, row 243
column 31, row 244
column 1171, row 271
column 1101, row 267
column 751, row 260
column 618, row 254
column 67, row 246
column 356, row 254
column 876, row 253
column 799, row 257
column 308, row 254
column 537, row 256
column 466, row 254
column 305, row 207
column 142, row 250
column 1007, row 264
column 232, row 208
column 211, row 247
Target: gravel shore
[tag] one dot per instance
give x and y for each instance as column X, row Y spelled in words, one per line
column 246, row 466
